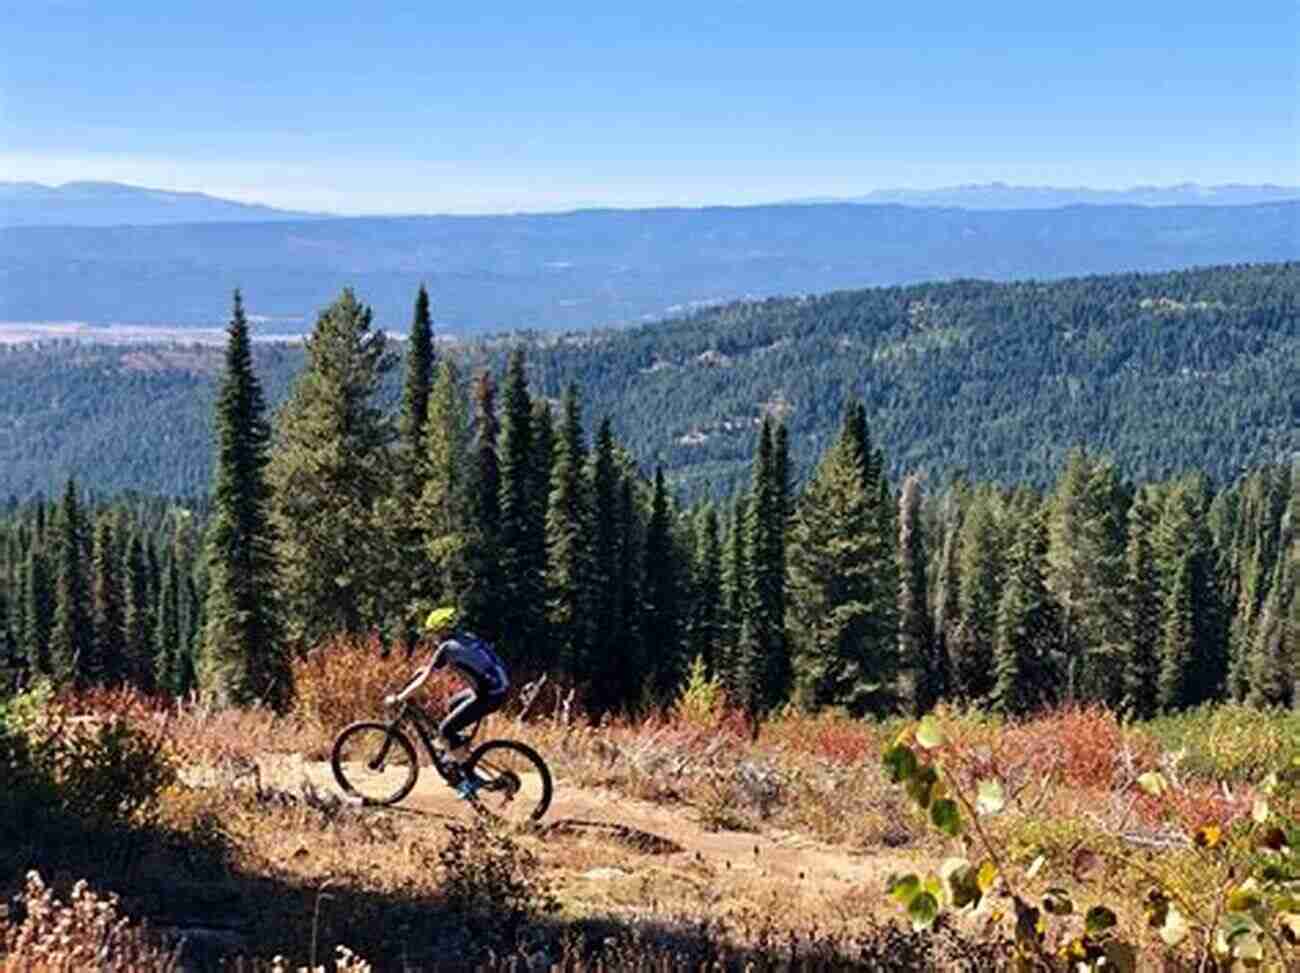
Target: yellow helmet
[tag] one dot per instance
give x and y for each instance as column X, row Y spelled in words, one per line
column 441, row 619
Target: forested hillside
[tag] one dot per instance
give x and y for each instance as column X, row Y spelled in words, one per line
column 1164, row 372
column 1191, row 370
column 351, row 514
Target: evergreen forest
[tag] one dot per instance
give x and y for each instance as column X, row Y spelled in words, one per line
column 834, row 574
column 1165, row 374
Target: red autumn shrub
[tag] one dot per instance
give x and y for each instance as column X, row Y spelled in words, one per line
column 1079, row 746
column 125, row 702
column 834, row 737
column 346, row 679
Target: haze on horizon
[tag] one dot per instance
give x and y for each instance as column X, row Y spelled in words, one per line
column 381, row 108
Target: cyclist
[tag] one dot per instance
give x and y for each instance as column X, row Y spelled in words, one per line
column 476, row 662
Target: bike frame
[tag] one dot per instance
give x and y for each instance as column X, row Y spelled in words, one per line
column 426, row 729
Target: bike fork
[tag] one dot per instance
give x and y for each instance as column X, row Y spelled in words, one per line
column 378, row 762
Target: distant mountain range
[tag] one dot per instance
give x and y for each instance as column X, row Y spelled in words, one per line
column 115, row 204
column 565, row 271
column 997, row 195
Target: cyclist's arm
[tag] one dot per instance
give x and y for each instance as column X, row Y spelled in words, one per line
column 437, row 661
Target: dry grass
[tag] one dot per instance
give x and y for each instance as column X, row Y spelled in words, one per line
column 301, row 875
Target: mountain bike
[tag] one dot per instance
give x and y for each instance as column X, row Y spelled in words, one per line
column 376, row 763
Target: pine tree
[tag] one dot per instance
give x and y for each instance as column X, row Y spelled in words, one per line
column 244, row 655
column 707, row 626
column 411, row 583
column 1174, row 685
column 420, row 365
column 918, row 658
column 38, row 613
column 1181, row 535
column 1086, row 575
column 167, row 629
column 631, row 664
column 1026, row 625
column 660, row 608
column 606, row 597
column 840, row 618
column 1272, row 659
column 981, row 574
column 738, row 668
column 445, row 514
column 1142, row 613
column 481, row 601
column 541, row 636
column 8, row 643
column 110, row 613
column 331, row 474
column 519, row 585
column 765, row 540
column 72, row 644
column 568, row 549
column 138, row 616
column 947, row 587
column 1255, row 550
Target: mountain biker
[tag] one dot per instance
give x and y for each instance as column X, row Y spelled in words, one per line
column 477, row 663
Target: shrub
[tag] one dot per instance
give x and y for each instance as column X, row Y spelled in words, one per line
column 346, row 678
column 493, row 880
column 87, row 932
column 1237, row 908
column 67, row 775
column 702, row 697
column 1229, row 742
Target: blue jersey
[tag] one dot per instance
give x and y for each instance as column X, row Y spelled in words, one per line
column 474, row 659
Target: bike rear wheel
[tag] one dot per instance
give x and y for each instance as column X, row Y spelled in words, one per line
column 374, row 762
column 513, row 782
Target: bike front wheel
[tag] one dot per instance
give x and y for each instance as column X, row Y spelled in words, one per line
column 513, row 782
column 374, row 762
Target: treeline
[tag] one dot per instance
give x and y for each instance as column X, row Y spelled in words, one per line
column 109, row 592
column 847, row 586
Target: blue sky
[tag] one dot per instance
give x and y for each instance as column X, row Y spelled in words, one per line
column 380, row 107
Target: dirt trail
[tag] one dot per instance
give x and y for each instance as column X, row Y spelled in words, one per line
column 672, row 831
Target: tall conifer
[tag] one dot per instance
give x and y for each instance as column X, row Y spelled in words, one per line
column 606, row 598
column 38, row 613
column 420, row 366
column 138, row 616
column 661, row 648
column 244, row 657
column 1142, row 613
column 917, row 656
column 482, row 599
column 72, row 645
column 331, row 475
column 445, row 513
column 980, row 564
column 840, row 617
column 109, row 604
column 569, row 589
column 1026, row 625
column 520, row 536
column 1174, row 684
column 167, row 629
column 707, row 627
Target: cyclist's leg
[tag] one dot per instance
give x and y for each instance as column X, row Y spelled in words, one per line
column 466, row 708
